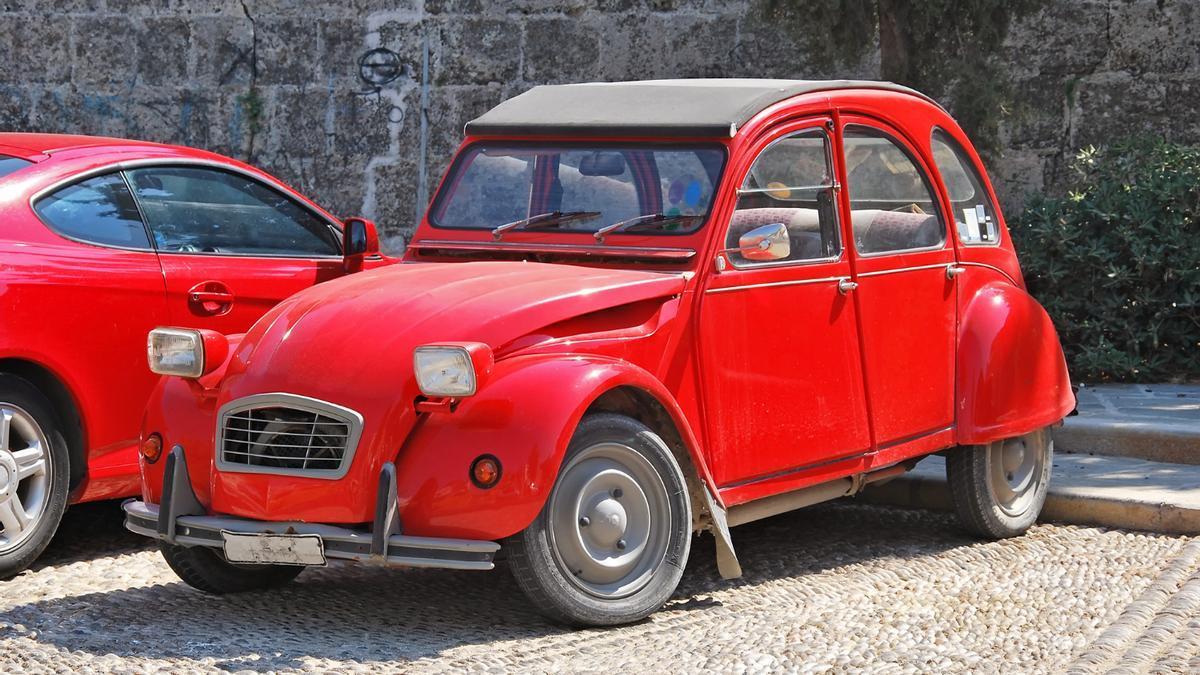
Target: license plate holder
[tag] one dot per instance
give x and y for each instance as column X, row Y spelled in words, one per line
column 273, row 549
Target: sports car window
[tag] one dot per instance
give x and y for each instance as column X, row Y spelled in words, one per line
column 974, row 212
column 602, row 189
column 98, row 210
column 198, row 210
column 892, row 207
column 10, row 164
column 790, row 184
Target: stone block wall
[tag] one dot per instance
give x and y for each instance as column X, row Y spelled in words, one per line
column 360, row 103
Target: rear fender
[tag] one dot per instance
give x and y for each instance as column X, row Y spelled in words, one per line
column 525, row 416
column 1012, row 377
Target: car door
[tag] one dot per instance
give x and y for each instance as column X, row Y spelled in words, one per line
column 85, row 303
column 905, row 294
column 782, row 378
column 231, row 246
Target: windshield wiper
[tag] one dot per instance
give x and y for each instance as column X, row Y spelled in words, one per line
column 549, row 219
column 656, row 219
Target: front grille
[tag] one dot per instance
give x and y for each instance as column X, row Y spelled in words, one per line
column 287, row 434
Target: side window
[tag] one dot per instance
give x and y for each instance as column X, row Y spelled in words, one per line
column 196, row 210
column 98, row 210
column 892, row 207
column 974, row 212
column 790, row 183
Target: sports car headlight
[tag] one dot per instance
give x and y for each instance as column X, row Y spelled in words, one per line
column 451, row 370
column 185, row 352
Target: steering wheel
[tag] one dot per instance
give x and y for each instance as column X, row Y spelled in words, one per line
column 189, row 248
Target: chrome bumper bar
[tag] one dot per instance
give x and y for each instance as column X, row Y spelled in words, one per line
column 181, row 519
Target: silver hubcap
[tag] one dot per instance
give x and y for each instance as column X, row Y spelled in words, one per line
column 1015, row 471
column 609, row 520
column 24, row 476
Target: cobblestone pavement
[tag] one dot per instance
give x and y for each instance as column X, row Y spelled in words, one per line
column 835, row 588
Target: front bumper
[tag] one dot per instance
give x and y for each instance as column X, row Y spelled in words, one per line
column 182, row 520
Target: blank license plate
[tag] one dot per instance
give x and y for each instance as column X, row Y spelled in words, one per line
column 277, row 549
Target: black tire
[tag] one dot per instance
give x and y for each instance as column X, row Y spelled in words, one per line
column 204, row 569
column 538, row 565
column 21, row 394
column 978, row 477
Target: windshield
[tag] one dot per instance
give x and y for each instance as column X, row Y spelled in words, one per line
column 602, row 189
column 11, row 164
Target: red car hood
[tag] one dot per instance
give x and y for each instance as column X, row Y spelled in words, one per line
column 350, row 342
column 337, row 339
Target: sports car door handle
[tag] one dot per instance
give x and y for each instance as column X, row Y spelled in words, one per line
column 212, row 296
column 954, row 270
column 845, row 286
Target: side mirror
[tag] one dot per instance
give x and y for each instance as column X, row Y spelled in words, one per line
column 769, row 242
column 359, row 240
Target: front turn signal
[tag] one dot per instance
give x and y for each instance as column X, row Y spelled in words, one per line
column 152, row 448
column 485, row 471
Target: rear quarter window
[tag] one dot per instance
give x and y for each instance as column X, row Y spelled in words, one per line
column 98, row 210
column 10, row 165
column 975, row 215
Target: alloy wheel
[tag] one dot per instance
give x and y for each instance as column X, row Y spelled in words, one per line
column 25, row 476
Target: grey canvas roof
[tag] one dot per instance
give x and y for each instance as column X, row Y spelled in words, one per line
column 699, row 108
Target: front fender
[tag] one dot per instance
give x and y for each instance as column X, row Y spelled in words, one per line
column 1012, row 376
column 525, row 416
column 183, row 411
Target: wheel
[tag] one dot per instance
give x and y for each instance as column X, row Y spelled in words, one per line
column 999, row 489
column 206, row 570
column 34, row 474
column 611, row 542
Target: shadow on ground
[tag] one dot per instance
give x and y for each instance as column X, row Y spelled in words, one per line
column 90, row 531
column 370, row 615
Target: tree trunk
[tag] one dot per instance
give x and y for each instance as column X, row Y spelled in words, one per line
column 895, row 42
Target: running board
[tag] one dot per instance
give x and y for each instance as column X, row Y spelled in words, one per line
column 823, row 492
column 789, row 501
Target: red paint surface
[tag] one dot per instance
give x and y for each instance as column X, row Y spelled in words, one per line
column 81, row 312
column 770, row 385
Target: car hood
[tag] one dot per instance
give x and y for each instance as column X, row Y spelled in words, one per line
column 363, row 328
column 350, row 342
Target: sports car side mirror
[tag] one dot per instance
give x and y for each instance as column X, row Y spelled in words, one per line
column 359, row 240
column 769, row 242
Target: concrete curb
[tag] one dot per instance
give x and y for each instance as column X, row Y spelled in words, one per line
column 1157, row 422
column 1111, row 492
column 1157, row 442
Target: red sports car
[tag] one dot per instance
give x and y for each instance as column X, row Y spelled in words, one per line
column 103, row 240
column 633, row 311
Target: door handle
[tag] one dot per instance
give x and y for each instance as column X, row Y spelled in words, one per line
column 954, row 270
column 845, row 286
column 212, row 296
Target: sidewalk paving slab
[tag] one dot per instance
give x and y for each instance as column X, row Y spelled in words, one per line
column 1119, row 492
column 1159, row 422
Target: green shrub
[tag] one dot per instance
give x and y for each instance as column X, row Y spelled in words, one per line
column 1116, row 262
